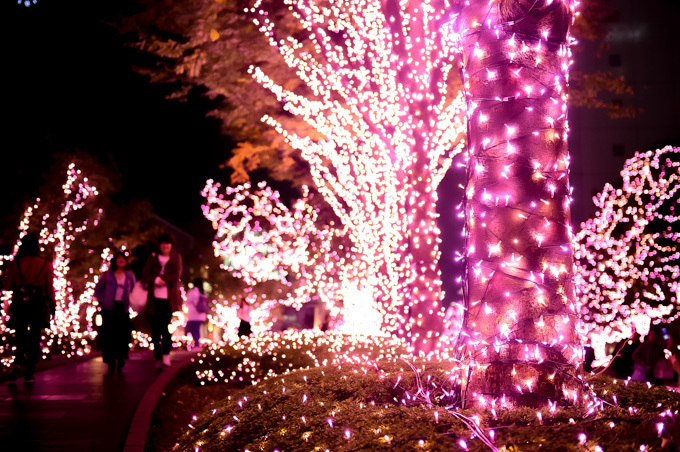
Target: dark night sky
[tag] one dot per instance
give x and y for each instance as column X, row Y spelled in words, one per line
column 70, row 85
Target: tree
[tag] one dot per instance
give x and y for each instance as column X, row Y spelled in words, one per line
column 204, row 49
column 628, row 254
column 78, row 231
column 207, row 47
column 282, row 255
column 113, row 224
column 519, row 335
column 594, row 90
column 57, row 230
column 387, row 125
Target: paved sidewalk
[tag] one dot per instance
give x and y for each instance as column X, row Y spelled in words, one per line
column 76, row 407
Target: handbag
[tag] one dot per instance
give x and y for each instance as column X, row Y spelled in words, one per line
column 202, row 305
column 138, row 297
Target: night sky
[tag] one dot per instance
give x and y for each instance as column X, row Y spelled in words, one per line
column 71, row 85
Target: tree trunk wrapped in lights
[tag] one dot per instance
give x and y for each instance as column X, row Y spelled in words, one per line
column 519, row 335
column 386, row 128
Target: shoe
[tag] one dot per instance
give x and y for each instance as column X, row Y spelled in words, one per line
column 14, row 373
column 29, row 379
column 166, row 360
column 112, row 366
column 159, row 364
column 121, row 364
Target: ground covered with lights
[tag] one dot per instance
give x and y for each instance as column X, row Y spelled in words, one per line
column 314, row 391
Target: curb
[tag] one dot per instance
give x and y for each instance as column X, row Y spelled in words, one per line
column 141, row 421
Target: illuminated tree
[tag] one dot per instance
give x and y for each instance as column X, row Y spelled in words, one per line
column 387, row 127
column 628, row 255
column 204, row 48
column 282, row 254
column 71, row 326
column 519, row 332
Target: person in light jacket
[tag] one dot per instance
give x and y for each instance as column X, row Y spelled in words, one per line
column 161, row 275
column 195, row 317
column 113, row 292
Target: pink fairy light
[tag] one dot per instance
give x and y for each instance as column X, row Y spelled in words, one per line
column 68, row 333
column 628, row 254
column 519, row 294
column 386, row 127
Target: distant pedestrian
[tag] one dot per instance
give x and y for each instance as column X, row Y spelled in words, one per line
column 675, row 359
column 623, row 364
column 244, row 314
column 30, row 279
column 197, row 310
column 588, row 358
column 162, row 274
column 113, row 292
column 646, row 356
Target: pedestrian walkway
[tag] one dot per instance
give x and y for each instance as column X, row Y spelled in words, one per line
column 76, row 407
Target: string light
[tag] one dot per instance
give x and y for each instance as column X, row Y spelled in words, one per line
column 68, row 334
column 521, row 312
column 627, row 255
column 261, row 240
column 387, row 126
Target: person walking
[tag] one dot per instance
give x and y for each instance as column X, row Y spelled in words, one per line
column 244, row 315
column 31, row 280
column 161, row 275
column 646, row 356
column 197, row 310
column 113, row 292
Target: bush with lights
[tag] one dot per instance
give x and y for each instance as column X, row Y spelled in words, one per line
column 300, row 391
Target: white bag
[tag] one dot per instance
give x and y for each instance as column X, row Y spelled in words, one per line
column 138, row 297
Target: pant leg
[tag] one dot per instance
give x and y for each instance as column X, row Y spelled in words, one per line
column 121, row 332
column 104, row 338
column 157, row 329
column 33, row 345
column 167, row 337
column 21, row 337
column 28, row 322
column 162, row 339
column 194, row 328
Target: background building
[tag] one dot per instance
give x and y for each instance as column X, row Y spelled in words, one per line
column 643, row 45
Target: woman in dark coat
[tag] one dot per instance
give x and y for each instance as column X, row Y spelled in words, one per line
column 243, row 313
column 162, row 277
column 113, row 292
column 30, row 278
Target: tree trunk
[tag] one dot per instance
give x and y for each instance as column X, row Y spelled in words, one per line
column 520, row 325
column 424, row 294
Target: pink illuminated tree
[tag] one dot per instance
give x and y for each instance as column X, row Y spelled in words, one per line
column 281, row 253
column 379, row 93
column 59, row 221
column 519, row 338
column 628, row 254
